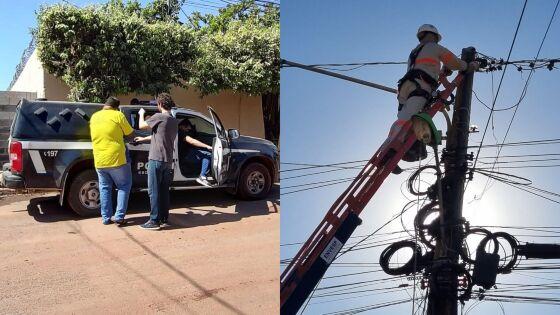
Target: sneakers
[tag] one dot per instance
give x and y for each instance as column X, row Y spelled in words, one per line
column 150, row 225
column 164, row 223
column 119, row 222
column 203, row 181
column 107, row 222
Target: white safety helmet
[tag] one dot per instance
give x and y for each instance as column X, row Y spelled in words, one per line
column 428, row 28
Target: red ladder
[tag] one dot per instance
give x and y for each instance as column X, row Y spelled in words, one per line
column 317, row 253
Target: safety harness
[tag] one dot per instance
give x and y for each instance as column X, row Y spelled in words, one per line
column 413, row 74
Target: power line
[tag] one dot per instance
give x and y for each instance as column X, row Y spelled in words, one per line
column 203, row 6
column 368, row 307
column 518, row 143
column 522, row 161
column 524, row 92
column 310, row 166
column 316, row 173
column 268, row 2
column 404, row 209
column 310, row 188
column 531, row 192
column 524, row 166
column 501, row 81
column 358, row 296
column 536, row 64
column 358, row 166
column 519, row 155
column 355, row 236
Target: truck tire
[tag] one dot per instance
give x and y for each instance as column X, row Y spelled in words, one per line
column 254, row 182
column 83, row 194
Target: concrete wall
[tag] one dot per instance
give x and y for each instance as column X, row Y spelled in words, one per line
column 32, row 77
column 11, row 98
column 55, row 89
column 236, row 110
column 8, row 102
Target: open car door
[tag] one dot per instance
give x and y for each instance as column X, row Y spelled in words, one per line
column 220, row 150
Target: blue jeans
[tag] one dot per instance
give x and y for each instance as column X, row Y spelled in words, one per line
column 120, row 176
column 160, row 175
column 200, row 155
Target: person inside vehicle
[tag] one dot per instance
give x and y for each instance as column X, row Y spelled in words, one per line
column 196, row 150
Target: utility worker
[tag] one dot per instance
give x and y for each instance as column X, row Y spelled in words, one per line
column 415, row 88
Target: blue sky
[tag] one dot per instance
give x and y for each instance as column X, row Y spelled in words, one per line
column 18, row 17
column 327, row 120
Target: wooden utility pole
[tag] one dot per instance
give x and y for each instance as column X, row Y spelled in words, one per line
column 442, row 298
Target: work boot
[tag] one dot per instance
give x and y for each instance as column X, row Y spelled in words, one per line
column 416, row 153
column 397, row 170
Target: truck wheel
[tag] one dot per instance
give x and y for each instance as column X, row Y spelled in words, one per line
column 255, row 182
column 83, row 194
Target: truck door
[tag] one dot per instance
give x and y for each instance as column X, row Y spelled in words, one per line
column 220, row 150
column 187, row 167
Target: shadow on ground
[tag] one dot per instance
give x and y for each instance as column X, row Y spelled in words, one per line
column 189, row 208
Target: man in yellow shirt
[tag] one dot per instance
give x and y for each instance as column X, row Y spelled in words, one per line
column 108, row 128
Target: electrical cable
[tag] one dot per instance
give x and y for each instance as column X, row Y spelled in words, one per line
column 361, row 309
column 406, row 206
column 525, row 64
column 501, row 80
column 312, row 166
column 519, row 143
column 523, row 93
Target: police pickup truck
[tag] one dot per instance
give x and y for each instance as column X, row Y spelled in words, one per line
column 50, row 149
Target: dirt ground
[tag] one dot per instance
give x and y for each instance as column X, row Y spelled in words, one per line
column 220, row 256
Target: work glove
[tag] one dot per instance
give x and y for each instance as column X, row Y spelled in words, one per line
column 446, row 72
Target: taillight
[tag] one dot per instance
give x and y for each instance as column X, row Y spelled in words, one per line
column 16, row 157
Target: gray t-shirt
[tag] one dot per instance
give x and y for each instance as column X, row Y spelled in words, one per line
column 164, row 131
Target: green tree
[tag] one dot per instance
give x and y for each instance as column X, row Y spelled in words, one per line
column 113, row 49
column 239, row 49
column 122, row 47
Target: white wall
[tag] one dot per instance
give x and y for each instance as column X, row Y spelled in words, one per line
column 32, row 78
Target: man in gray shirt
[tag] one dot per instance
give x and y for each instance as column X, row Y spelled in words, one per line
column 164, row 129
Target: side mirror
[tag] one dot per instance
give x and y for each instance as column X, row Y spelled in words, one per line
column 233, row 133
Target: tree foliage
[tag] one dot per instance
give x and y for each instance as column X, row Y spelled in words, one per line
column 122, row 47
column 115, row 48
column 239, row 49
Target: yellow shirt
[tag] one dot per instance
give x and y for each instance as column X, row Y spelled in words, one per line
column 107, row 129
